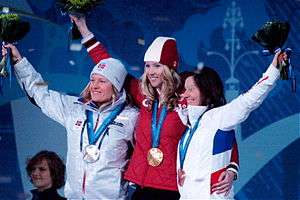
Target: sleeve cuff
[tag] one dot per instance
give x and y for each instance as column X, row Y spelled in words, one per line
column 22, row 68
column 234, row 168
column 92, row 46
column 87, row 38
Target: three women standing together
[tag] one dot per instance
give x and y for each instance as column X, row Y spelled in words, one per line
column 159, row 127
column 100, row 126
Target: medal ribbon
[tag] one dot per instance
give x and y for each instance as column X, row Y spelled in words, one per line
column 94, row 136
column 157, row 127
column 8, row 65
column 183, row 148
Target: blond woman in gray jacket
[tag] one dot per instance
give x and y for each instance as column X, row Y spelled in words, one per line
column 99, row 126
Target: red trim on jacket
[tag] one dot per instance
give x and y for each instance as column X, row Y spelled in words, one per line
column 214, row 177
column 98, row 53
column 235, row 153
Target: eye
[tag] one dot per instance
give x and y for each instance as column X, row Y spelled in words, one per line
column 42, row 168
column 147, row 65
column 157, row 65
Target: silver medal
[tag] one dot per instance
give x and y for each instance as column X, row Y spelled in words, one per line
column 91, row 153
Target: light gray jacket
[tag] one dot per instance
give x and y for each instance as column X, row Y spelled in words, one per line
column 104, row 177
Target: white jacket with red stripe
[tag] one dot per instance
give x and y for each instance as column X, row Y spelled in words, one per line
column 210, row 148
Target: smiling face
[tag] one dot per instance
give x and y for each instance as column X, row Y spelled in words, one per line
column 192, row 93
column 101, row 89
column 154, row 72
column 40, row 176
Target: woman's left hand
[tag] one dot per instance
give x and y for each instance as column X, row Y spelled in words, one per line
column 81, row 25
column 225, row 183
column 279, row 57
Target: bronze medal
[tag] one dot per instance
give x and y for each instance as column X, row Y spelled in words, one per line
column 155, row 156
column 180, row 177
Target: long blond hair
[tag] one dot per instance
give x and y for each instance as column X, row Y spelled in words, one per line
column 170, row 84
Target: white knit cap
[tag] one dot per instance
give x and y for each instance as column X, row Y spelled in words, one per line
column 113, row 70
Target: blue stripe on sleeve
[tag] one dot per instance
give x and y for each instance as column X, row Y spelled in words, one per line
column 223, row 141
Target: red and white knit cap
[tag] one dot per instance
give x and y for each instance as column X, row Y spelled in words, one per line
column 164, row 51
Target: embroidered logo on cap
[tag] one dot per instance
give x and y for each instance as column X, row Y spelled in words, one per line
column 102, row 65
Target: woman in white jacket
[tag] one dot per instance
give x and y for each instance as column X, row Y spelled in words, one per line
column 205, row 148
column 99, row 126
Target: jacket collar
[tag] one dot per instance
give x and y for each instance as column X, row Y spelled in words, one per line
column 190, row 114
column 194, row 112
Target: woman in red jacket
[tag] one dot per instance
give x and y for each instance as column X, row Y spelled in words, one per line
column 152, row 166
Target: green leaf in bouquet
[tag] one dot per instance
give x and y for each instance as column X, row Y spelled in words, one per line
column 12, row 28
column 78, row 6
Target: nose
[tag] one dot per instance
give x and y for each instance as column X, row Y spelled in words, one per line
column 35, row 172
column 94, row 85
column 151, row 70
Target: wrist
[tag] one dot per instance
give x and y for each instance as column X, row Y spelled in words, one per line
column 84, row 32
column 233, row 167
column 233, row 173
column 16, row 60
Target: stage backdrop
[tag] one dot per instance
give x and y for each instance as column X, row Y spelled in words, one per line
column 215, row 32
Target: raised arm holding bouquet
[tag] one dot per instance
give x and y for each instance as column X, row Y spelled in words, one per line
column 12, row 29
column 78, row 8
column 272, row 37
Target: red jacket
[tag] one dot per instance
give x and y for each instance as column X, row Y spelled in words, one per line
column 139, row 171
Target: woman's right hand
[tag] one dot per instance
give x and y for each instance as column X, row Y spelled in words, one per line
column 81, row 25
column 15, row 54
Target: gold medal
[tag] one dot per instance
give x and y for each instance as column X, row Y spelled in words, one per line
column 155, row 156
column 180, row 177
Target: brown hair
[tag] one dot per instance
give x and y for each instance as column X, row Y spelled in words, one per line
column 56, row 166
column 211, row 86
